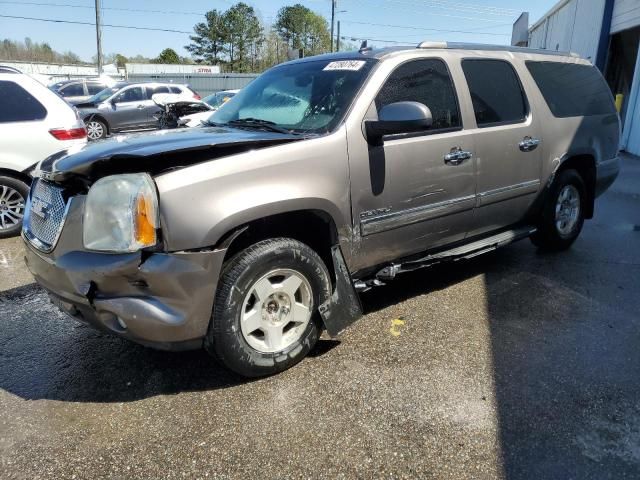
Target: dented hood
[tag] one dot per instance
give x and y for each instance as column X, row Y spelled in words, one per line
column 155, row 152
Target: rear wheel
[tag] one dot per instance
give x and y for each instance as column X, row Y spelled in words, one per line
column 265, row 318
column 13, row 195
column 563, row 213
column 96, row 129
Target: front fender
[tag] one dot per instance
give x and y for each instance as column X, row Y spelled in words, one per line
column 201, row 203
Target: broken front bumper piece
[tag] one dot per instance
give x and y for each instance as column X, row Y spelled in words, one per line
column 163, row 300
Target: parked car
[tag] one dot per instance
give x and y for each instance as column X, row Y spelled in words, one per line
column 81, row 89
column 324, row 177
column 126, row 107
column 34, row 124
column 214, row 101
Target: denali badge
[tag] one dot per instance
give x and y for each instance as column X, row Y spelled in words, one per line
column 40, row 207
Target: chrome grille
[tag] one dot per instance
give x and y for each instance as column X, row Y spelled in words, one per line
column 45, row 214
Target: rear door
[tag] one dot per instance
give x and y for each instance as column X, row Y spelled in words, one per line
column 507, row 140
column 412, row 195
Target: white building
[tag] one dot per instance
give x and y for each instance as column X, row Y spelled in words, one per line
column 607, row 32
column 173, row 69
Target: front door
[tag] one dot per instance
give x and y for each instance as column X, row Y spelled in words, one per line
column 129, row 109
column 508, row 144
column 418, row 190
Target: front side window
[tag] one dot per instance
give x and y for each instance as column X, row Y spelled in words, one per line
column 496, row 92
column 310, row 96
column 134, row 94
column 72, row 90
column 18, row 105
column 428, row 82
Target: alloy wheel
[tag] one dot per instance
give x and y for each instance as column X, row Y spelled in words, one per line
column 95, row 130
column 276, row 311
column 567, row 210
column 11, row 207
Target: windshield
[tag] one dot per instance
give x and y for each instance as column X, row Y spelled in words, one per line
column 102, row 95
column 305, row 97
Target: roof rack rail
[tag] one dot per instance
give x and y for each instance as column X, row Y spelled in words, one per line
column 497, row 48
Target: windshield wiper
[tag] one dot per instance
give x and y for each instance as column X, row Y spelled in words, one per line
column 259, row 124
column 209, row 123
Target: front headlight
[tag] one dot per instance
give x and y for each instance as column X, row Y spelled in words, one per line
column 121, row 214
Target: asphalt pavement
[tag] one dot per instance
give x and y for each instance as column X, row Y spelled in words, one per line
column 516, row 364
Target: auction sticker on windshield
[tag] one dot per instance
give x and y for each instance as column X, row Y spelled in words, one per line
column 353, row 65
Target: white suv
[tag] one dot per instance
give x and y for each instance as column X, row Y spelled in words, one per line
column 34, row 124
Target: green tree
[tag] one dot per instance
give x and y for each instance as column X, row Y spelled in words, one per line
column 244, row 37
column 303, row 29
column 168, row 55
column 120, row 60
column 210, row 39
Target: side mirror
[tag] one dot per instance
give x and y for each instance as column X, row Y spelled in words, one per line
column 399, row 117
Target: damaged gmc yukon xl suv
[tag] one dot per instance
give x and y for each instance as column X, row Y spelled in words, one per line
column 324, row 177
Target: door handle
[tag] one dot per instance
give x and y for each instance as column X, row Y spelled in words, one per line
column 140, row 107
column 457, row 156
column 528, row 144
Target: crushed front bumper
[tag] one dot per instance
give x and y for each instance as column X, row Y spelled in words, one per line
column 162, row 300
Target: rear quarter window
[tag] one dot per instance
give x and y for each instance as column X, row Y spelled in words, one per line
column 572, row 90
column 18, row 105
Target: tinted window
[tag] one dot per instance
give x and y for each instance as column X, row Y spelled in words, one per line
column 427, row 82
column 154, row 90
column 175, row 90
column 572, row 90
column 72, row 90
column 95, row 88
column 134, row 94
column 496, row 92
column 18, row 105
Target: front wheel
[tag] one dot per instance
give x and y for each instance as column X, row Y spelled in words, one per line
column 563, row 213
column 13, row 195
column 265, row 318
column 96, row 129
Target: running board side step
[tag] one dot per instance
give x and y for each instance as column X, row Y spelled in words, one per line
column 462, row 252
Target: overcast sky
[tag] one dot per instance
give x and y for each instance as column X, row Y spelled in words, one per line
column 383, row 21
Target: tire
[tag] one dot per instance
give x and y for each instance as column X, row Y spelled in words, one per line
column 248, row 313
column 96, row 129
column 13, row 196
column 562, row 216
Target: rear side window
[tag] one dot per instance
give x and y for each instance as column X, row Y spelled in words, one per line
column 152, row 91
column 72, row 90
column 496, row 92
column 428, row 82
column 572, row 90
column 18, row 105
column 175, row 90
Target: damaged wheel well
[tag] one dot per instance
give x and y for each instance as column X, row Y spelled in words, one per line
column 315, row 228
